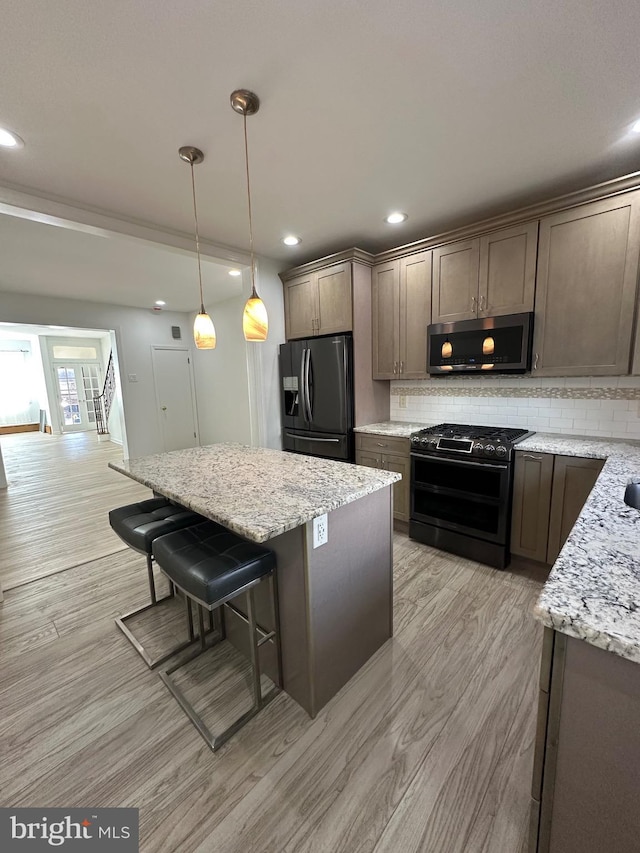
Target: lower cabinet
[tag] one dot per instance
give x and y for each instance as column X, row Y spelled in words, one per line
column 389, row 453
column 548, row 494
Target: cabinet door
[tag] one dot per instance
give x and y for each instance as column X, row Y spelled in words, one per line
column 573, row 480
column 401, row 495
column 455, row 281
column 586, row 287
column 385, row 308
column 532, row 477
column 415, row 315
column 300, row 307
column 335, row 313
column 508, row 271
column 371, row 460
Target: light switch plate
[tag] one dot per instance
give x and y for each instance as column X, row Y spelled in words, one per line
column 320, row 531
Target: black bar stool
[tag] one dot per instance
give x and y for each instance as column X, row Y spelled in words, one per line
column 212, row 566
column 138, row 525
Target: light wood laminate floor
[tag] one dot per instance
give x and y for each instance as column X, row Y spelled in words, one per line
column 54, row 513
column 429, row 748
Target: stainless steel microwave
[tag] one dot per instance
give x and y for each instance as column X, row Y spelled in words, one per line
column 487, row 345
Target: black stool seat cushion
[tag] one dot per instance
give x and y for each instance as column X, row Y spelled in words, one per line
column 139, row 524
column 210, row 562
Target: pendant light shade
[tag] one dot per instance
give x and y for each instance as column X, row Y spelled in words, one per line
column 204, row 333
column 255, row 323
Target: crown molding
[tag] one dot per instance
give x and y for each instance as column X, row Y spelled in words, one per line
column 357, row 255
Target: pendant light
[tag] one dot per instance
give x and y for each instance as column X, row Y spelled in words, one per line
column 255, row 323
column 204, row 333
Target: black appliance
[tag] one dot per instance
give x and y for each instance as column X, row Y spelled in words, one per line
column 316, row 392
column 461, row 489
column 488, row 345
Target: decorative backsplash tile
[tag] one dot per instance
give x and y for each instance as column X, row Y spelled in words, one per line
column 597, row 406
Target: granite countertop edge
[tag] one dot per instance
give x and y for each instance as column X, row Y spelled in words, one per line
column 339, row 496
column 593, row 590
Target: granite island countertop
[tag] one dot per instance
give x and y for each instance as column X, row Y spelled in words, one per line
column 256, row 492
column 593, row 590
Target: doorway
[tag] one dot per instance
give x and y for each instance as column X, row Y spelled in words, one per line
column 175, row 397
column 76, row 386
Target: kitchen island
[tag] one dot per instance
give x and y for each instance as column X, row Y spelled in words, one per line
column 335, row 599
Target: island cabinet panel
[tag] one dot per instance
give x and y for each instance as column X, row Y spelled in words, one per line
column 388, row 453
column 587, row 762
column 400, row 314
column 586, row 288
column 548, row 495
column 532, row 479
column 573, row 480
column 456, row 269
column 508, row 271
column 319, row 303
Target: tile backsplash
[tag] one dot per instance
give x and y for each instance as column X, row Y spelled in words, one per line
column 598, row 406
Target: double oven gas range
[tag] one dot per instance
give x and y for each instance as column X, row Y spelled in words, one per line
column 461, row 489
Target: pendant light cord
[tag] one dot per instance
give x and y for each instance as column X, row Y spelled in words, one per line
column 246, row 160
column 195, row 216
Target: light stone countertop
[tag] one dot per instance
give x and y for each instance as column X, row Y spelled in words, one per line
column 256, row 492
column 399, row 429
column 593, row 591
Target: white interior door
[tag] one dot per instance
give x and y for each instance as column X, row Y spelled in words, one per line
column 174, row 397
column 77, row 383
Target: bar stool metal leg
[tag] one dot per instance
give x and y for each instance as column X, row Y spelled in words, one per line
column 259, row 701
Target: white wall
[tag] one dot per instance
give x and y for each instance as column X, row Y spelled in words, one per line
column 264, row 357
column 221, row 378
column 31, row 382
column 137, row 329
column 602, row 406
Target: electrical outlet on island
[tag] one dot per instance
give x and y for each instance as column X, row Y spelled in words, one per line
column 320, row 531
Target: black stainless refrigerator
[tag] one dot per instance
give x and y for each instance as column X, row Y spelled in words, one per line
column 316, row 393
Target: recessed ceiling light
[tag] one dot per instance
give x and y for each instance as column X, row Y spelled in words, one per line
column 396, row 218
column 291, row 240
column 160, row 302
column 8, row 139
column 235, row 272
column 635, row 128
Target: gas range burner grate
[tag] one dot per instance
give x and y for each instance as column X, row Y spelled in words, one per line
column 476, row 433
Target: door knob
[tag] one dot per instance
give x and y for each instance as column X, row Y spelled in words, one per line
column 164, row 408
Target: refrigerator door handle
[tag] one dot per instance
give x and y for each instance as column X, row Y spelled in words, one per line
column 303, row 400
column 306, row 438
column 305, row 383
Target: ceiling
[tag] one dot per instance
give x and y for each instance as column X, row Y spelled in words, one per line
column 16, row 331
column 45, row 259
column 445, row 110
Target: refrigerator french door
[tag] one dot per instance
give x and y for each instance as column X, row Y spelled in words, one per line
column 316, row 389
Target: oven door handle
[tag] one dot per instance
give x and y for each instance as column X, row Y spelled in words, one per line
column 466, row 462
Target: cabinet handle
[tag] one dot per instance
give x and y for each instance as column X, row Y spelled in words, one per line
column 531, row 456
column 473, row 304
column 535, row 361
column 402, row 367
column 395, row 366
column 381, row 444
column 482, row 302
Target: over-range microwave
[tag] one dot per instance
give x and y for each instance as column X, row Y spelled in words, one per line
column 487, row 345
